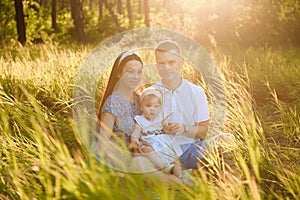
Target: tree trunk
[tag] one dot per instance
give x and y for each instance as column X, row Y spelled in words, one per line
column 181, row 15
column 140, row 7
column 90, row 4
column 100, row 8
column 114, row 17
column 77, row 16
column 119, row 6
column 21, row 29
column 43, row 3
column 2, row 36
column 129, row 11
column 164, row 4
column 53, row 16
column 62, row 4
column 146, row 11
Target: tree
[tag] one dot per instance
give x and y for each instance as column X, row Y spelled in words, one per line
column 114, row 17
column 146, row 11
column 21, row 29
column 101, row 8
column 90, row 4
column 43, row 3
column 53, row 16
column 62, row 4
column 2, row 36
column 119, row 6
column 78, row 17
column 140, row 6
column 129, row 11
column 165, row 4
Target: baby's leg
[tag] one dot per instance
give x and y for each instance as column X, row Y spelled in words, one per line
column 177, row 169
column 153, row 157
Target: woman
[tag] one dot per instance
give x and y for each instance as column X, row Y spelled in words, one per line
column 118, row 108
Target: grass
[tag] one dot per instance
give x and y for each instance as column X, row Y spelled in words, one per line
column 42, row 156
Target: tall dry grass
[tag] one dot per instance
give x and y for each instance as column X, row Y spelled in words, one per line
column 42, row 156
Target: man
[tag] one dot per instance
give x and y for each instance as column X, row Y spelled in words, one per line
column 185, row 104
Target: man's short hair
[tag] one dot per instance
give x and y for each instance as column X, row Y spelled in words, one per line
column 168, row 46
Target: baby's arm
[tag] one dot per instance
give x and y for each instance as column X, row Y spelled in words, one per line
column 135, row 136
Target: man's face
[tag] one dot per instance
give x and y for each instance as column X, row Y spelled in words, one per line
column 168, row 65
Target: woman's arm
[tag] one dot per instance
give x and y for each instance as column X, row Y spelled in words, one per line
column 107, row 123
column 105, row 146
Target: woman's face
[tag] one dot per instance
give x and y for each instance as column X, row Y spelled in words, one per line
column 131, row 74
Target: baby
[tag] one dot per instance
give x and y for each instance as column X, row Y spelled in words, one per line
column 148, row 138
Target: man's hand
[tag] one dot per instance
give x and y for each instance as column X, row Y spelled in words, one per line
column 173, row 128
column 198, row 131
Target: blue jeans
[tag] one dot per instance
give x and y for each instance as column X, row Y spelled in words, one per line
column 200, row 149
column 192, row 153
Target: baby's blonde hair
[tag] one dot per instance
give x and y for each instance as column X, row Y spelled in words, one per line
column 148, row 93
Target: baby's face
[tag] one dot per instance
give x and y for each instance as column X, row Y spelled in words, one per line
column 151, row 108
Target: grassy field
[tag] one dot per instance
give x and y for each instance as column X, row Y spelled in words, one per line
column 42, row 156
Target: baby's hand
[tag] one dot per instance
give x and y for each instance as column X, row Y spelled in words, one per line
column 166, row 128
column 134, row 143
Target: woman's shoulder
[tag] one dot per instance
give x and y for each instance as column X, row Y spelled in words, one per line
column 112, row 103
column 114, row 99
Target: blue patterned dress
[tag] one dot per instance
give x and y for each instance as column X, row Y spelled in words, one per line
column 124, row 111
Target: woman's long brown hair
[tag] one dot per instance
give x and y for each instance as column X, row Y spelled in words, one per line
column 114, row 77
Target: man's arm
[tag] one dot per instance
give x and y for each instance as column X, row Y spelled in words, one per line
column 198, row 131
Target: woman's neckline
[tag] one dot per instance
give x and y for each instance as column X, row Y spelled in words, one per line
column 121, row 95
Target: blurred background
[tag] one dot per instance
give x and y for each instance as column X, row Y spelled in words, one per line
column 210, row 22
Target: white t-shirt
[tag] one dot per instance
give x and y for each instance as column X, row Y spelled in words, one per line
column 187, row 103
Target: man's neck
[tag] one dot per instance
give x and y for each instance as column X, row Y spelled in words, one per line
column 172, row 84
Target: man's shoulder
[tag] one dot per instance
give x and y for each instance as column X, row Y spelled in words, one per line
column 192, row 86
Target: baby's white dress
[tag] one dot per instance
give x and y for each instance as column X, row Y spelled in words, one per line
column 167, row 146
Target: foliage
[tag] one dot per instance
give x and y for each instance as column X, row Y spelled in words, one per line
column 222, row 22
column 7, row 24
